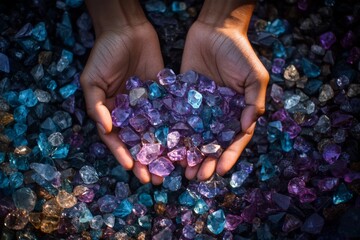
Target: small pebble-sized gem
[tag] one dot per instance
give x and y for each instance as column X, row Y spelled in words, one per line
column 194, row 156
column 148, row 153
column 56, row 139
column 313, row 224
column 177, row 154
column 68, row 90
column 129, row 137
column 24, row 198
column 187, row 198
column 342, row 194
column 291, row 223
column 28, row 98
column 200, row 206
column 46, row 171
column 173, row 139
column 97, row 222
column 166, row 76
column 327, row 39
column 109, row 220
column 161, row 196
column 161, row 167
column 123, row 209
column 232, row 221
column 238, row 177
column 61, row 151
column 139, row 122
column 107, row 203
column 137, row 96
column 119, row 116
column 194, row 98
column 155, row 91
column 39, row 32
column 16, row 219
column 331, row 153
column 326, row 93
column 146, row 199
column 296, row 185
column 216, row 222
column 4, row 63
column 65, row 199
column 196, row 123
column 212, row 149
column 88, row 174
column 310, row 69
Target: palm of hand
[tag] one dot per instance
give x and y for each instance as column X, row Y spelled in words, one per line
column 226, row 56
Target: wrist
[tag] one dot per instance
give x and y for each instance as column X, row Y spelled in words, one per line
column 115, row 14
column 227, row 13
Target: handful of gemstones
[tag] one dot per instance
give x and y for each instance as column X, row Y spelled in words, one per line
column 180, row 117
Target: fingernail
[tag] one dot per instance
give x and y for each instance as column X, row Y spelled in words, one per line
column 101, row 128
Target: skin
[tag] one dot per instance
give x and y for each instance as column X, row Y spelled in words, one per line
column 216, row 46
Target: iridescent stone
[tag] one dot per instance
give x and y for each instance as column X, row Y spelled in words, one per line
column 177, row 154
column 166, row 76
column 327, row 39
column 161, row 167
column 194, row 98
column 342, row 194
column 129, row 137
column 216, row 222
column 148, row 153
column 137, row 96
column 84, row 194
column 65, row 199
column 88, row 174
column 17, row 219
column 212, row 149
column 173, row 139
column 194, row 156
column 120, row 116
column 24, row 198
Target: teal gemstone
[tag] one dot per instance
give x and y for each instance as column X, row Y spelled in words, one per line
column 201, row 206
column 309, row 68
column 146, row 199
column 16, row 179
column 2, row 157
column 156, row 91
column 216, row 222
column 161, row 134
column 19, row 162
column 194, row 98
column 196, row 123
column 172, row 182
column 20, row 113
column 20, row 141
column 217, row 111
column 313, row 86
column 161, row 196
column 28, row 98
column 85, row 214
column 43, row 144
column 61, row 151
column 123, row 209
column 276, row 27
column 342, row 194
column 20, row 128
column 12, row 98
column 96, row 234
column 52, row 85
column 29, row 45
column 286, row 142
column 145, row 221
column 67, row 90
column 48, row 126
column 74, row 3
column 39, row 32
column 267, row 170
column 187, row 199
column 279, row 50
column 178, row 6
column 10, row 133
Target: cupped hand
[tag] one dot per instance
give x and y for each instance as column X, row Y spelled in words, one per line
column 224, row 54
column 117, row 55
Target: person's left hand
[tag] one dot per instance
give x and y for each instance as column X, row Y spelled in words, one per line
column 224, row 54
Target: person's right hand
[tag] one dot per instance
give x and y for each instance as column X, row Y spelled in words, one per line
column 118, row 54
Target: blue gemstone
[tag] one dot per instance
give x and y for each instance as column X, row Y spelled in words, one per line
column 48, row 126
column 172, row 182
column 16, row 179
column 342, row 194
column 286, row 142
column 309, row 68
column 20, row 113
column 85, row 214
column 145, row 221
column 155, row 91
column 155, row 6
column 52, row 85
column 29, row 45
column 279, row 50
column 74, row 3
column 61, row 151
column 238, row 178
column 177, row 6
column 67, row 90
column 201, row 206
column 146, row 199
column 39, row 32
column 2, row 157
column 187, row 199
column 4, row 63
column 196, row 123
column 46, row 171
column 267, row 170
column 277, row 27
column 19, row 162
column 161, row 196
column 20, row 128
column 161, row 134
column 313, row 86
column 123, row 209
column 64, row 61
column 44, row 144
column 216, row 222
column 194, row 98
column 12, row 98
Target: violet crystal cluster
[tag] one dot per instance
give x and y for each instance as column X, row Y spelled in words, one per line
column 183, row 117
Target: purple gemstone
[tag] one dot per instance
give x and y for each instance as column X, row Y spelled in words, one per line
column 99, row 150
column 327, row 40
column 225, row 137
column 139, row 122
column 232, row 221
column 181, row 107
column 148, row 137
column 339, row 119
column 177, row 154
column 166, row 76
column 139, row 209
column 206, row 84
column 348, row 40
column 119, row 116
column 351, row 176
column 226, row 92
column 173, row 139
column 148, row 153
column 161, row 167
column 313, row 224
column 107, row 203
column 296, row 185
column 331, row 153
column 196, row 140
column 278, row 64
column 129, row 137
column 212, row 149
column 277, row 93
column 122, row 101
column 133, row 82
column 177, row 89
column 216, row 127
column 194, row 156
column 354, row 55
column 291, row 223
column 281, row 200
column 327, row 184
column 189, row 232
column 154, row 117
column 87, row 196
column 249, row 213
column 168, row 102
column 307, row 195
column 182, row 128
column 190, row 77
column 187, row 218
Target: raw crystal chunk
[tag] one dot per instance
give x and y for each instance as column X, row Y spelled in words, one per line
column 56, row 139
column 148, row 153
column 196, row 123
column 17, row 219
column 161, row 167
column 216, row 222
column 88, row 174
column 24, row 198
column 65, row 199
column 194, row 156
column 128, row 136
column 173, row 139
column 194, row 98
column 238, row 178
column 212, row 149
column 119, row 116
column 139, row 122
column 137, row 96
column 47, row 171
column 166, row 76
column 177, row 154
column 190, row 77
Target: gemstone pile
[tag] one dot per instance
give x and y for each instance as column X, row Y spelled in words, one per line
column 183, row 117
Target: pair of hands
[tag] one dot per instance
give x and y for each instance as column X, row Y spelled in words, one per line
column 222, row 53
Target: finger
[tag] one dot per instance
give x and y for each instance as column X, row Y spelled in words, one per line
column 156, row 180
column 95, row 100
column 207, row 168
column 141, row 172
column 190, row 172
column 232, row 153
column 118, row 149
